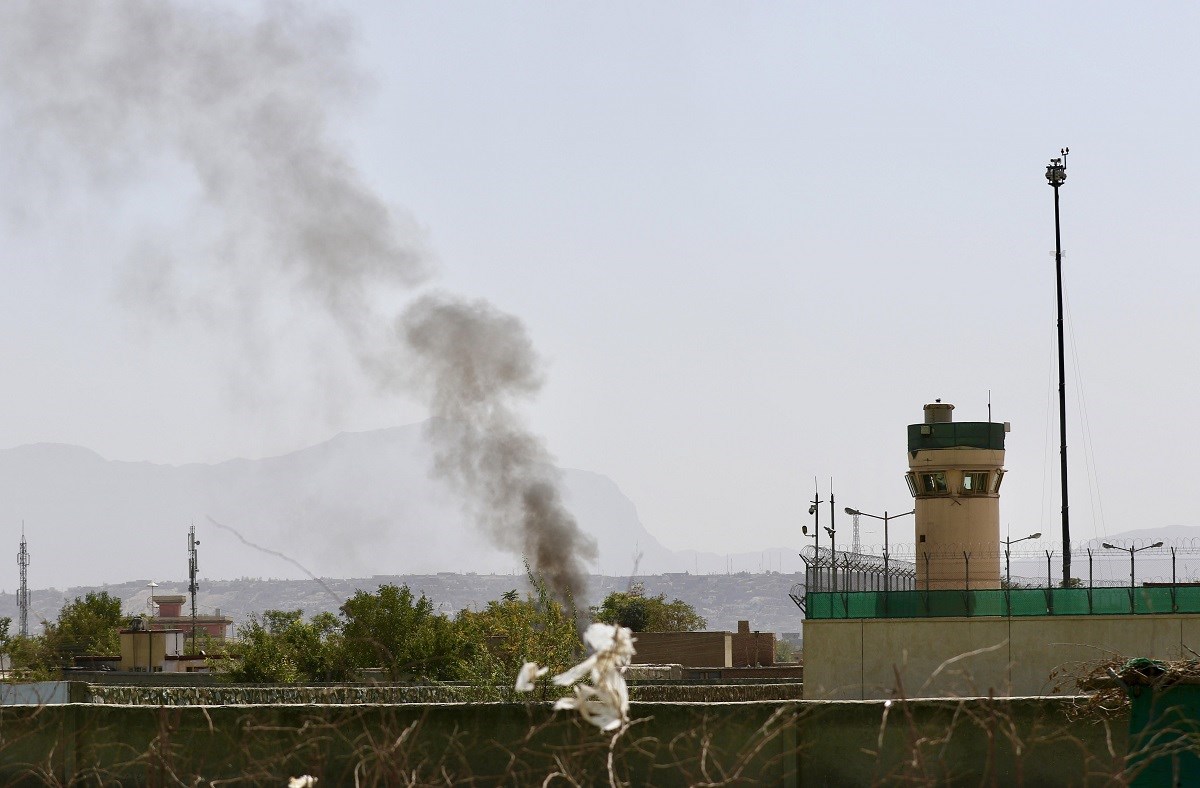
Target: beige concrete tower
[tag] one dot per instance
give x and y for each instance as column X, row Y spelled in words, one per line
column 954, row 477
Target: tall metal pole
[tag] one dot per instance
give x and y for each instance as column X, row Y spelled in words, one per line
column 815, row 511
column 887, row 578
column 833, row 535
column 1056, row 174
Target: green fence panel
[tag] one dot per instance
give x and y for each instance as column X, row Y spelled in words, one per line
column 863, row 604
column 1152, row 600
column 906, row 604
column 1070, row 601
column 989, row 603
column 1188, row 599
column 1110, row 601
column 1027, row 602
column 946, row 604
column 817, row 605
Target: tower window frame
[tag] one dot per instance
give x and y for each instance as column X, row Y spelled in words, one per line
column 934, row 483
column 976, row 483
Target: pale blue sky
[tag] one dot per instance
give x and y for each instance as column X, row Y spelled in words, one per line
column 751, row 241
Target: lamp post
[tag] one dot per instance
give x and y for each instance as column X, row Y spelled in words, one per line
column 1008, row 543
column 1131, row 551
column 1056, row 175
column 887, row 586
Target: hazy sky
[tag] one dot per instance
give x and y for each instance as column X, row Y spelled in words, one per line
column 750, row 241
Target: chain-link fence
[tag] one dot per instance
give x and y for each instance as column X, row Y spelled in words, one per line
column 1095, row 566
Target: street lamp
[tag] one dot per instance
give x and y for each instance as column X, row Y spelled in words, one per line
column 1131, row 551
column 886, row 546
column 1009, row 543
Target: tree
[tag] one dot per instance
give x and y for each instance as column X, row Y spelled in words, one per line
column 510, row 632
column 401, row 634
column 88, row 625
column 282, row 648
column 648, row 614
column 32, row 659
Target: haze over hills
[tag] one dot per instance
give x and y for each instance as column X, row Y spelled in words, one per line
column 360, row 504
column 721, row 599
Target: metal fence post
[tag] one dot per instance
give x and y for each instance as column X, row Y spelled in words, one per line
column 1049, row 585
column 1089, row 552
column 1174, row 605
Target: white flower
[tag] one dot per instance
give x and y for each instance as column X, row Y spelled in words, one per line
column 601, row 709
column 605, row 702
column 303, row 781
column 529, row 673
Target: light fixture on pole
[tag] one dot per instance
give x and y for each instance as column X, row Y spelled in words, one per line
column 1009, row 543
column 886, row 545
column 1131, row 551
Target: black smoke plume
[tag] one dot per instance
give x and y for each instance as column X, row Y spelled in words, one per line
column 101, row 94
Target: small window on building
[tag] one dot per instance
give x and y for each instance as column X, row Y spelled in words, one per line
column 934, row 483
column 922, row 537
column 997, row 477
column 975, row 483
column 911, row 478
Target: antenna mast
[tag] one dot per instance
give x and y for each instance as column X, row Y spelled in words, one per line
column 23, row 591
column 193, row 543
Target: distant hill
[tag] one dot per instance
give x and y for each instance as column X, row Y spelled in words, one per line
column 360, row 504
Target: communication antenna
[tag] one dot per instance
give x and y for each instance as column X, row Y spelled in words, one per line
column 23, row 592
column 857, row 548
column 193, row 566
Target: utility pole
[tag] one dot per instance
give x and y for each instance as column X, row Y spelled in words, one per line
column 1056, row 175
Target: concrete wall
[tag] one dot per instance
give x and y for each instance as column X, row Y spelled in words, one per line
column 961, row 657
column 971, row 742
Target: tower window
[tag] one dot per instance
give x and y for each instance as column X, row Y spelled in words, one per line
column 934, row 483
column 911, row 478
column 997, row 477
column 975, row 483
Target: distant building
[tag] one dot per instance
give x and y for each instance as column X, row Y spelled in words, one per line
column 741, row 649
column 150, row 650
column 172, row 616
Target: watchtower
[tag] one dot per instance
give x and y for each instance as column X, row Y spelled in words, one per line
column 955, row 470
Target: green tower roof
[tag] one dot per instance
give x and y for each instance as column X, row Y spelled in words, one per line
column 955, row 434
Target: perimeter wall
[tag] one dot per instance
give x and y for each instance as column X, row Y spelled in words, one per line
column 967, row 657
column 1031, row 741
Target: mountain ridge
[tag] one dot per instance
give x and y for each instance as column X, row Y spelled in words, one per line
column 359, row 504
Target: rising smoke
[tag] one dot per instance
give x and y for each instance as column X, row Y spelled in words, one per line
column 474, row 362
column 116, row 88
